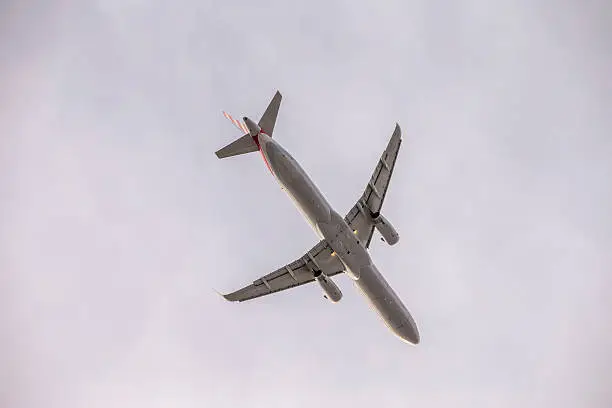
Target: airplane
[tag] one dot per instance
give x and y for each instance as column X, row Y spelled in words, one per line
column 344, row 241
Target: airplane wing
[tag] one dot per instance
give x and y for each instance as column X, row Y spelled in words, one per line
column 291, row 275
column 358, row 218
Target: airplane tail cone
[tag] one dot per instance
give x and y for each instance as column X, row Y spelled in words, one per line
column 247, row 144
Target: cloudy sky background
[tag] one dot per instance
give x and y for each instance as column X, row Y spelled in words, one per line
column 117, row 220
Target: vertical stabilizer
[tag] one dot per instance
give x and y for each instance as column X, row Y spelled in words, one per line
column 268, row 119
column 248, row 143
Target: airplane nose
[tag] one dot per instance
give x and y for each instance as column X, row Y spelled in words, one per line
column 408, row 332
column 414, row 336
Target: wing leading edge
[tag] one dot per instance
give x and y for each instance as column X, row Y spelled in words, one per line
column 371, row 201
column 296, row 273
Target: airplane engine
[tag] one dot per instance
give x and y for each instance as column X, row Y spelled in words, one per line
column 385, row 228
column 332, row 291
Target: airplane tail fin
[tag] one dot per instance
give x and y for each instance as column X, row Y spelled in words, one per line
column 268, row 119
column 247, row 143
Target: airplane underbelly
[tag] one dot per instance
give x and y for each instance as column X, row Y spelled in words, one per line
column 377, row 291
column 298, row 185
column 346, row 244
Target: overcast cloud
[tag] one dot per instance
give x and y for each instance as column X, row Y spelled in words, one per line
column 117, row 220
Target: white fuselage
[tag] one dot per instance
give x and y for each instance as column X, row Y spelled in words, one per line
column 330, row 226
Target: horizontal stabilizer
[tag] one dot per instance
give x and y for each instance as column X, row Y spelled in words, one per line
column 241, row 126
column 245, row 144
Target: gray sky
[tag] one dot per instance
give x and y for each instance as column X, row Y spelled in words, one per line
column 118, row 220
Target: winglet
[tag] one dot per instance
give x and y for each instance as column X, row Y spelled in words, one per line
column 397, row 132
column 231, row 297
column 226, row 296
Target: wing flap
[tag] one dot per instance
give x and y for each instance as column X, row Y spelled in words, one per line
column 372, row 199
column 294, row 274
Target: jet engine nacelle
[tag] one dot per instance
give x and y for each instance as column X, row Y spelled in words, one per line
column 385, row 228
column 332, row 291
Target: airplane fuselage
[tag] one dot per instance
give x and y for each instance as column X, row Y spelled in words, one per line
column 332, row 227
